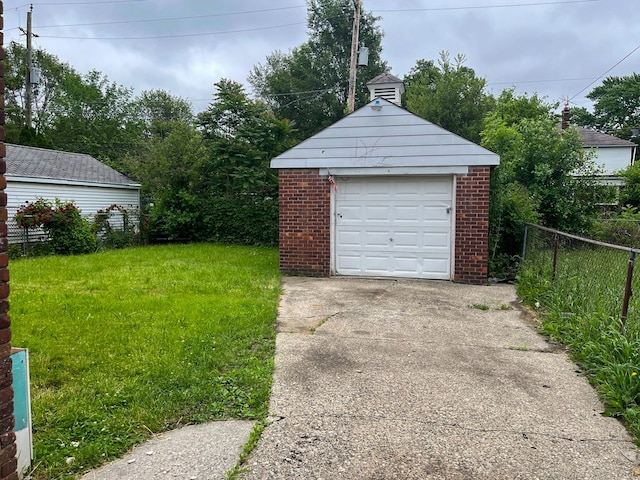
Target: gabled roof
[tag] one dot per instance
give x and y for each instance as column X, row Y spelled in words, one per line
column 591, row 138
column 42, row 163
column 384, row 135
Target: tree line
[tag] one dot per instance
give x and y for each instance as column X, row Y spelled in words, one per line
column 206, row 176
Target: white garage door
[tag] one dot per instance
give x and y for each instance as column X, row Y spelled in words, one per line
column 394, row 226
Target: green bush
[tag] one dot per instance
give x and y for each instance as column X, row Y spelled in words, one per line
column 619, row 228
column 68, row 232
column 240, row 219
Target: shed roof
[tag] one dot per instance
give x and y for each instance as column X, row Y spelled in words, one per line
column 42, row 163
column 591, row 138
column 384, row 78
column 382, row 134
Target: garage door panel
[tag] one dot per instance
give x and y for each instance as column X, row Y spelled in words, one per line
column 377, row 213
column 350, row 238
column 395, row 226
column 376, row 240
column 408, row 213
column 435, row 240
column 406, row 239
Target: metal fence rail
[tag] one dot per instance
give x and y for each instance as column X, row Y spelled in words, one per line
column 599, row 275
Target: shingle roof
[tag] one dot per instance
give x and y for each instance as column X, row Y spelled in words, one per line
column 384, row 78
column 35, row 162
column 591, row 138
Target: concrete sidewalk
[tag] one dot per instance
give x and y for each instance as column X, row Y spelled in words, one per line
column 389, row 379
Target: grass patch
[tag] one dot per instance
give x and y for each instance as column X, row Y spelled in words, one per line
column 581, row 308
column 127, row 343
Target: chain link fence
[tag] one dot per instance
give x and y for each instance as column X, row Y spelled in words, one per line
column 583, row 275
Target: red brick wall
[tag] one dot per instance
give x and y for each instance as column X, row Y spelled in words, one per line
column 472, row 226
column 305, row 235
column 305, row 247
column 8, row 462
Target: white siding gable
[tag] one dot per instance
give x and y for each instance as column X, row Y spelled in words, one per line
column 388, row 137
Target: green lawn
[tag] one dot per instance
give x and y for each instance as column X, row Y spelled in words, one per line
column 127, row 343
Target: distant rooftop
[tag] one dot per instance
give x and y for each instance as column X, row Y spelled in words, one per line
column 23, row 161
column 591, row 138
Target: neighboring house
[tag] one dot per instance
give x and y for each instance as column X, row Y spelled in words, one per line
column 611, row 154
column 383, row 192
column 34, row 173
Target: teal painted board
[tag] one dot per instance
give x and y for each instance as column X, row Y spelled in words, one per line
column 19, row 369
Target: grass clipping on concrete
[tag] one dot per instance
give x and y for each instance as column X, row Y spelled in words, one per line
column 124, row 344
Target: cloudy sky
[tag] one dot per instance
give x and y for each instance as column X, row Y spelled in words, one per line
column 556, row 48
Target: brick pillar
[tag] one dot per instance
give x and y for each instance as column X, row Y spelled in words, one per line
column 472, row 226
column 305, row 228
column 8, row 462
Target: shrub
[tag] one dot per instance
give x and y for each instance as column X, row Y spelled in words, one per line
column 619, row 228
column 68, row 232
column 108, row 236
column 238, row 219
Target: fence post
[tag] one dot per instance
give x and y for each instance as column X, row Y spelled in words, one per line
column 524, row 241
column 555, row 256
column 627, row 289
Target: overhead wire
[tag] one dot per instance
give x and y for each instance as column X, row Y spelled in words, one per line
column 608, row 70
column 153, row 37
column 472, row 7
column 167, row 19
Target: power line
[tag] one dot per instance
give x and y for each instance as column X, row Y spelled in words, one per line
column 192, row 17
column 479, row 7
column 73, row 3
column 614, row 66
column 178, row 35
column 471, row 7
column 541, row 81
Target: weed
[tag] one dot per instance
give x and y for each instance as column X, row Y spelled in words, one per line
column 522, row 348
column 580, row 307
column 256, row 433
column 479, row 306
column 312, row 329
column 504, row 306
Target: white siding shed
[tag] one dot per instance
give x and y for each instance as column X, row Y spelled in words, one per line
column 34, row 173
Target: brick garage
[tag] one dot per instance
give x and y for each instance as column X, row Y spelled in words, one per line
column 383, row 192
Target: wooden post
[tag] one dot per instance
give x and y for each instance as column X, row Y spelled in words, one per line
column 355, row 34
column 29, row 86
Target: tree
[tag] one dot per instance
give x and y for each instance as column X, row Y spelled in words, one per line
column 52, row 75
column 309, row 85
column 213, row 181
column 544, row 174
column 95, row 116
column 242, row 136
column 160, row 110
column 616, row 107
column 448, row 94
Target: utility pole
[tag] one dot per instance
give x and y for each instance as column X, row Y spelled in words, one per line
column 29, row 89
column 351, row 102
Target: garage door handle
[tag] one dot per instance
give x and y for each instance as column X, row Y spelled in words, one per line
column 448, row 209
column 339, row 214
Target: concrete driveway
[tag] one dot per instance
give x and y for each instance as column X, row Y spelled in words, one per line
column 391, row 379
